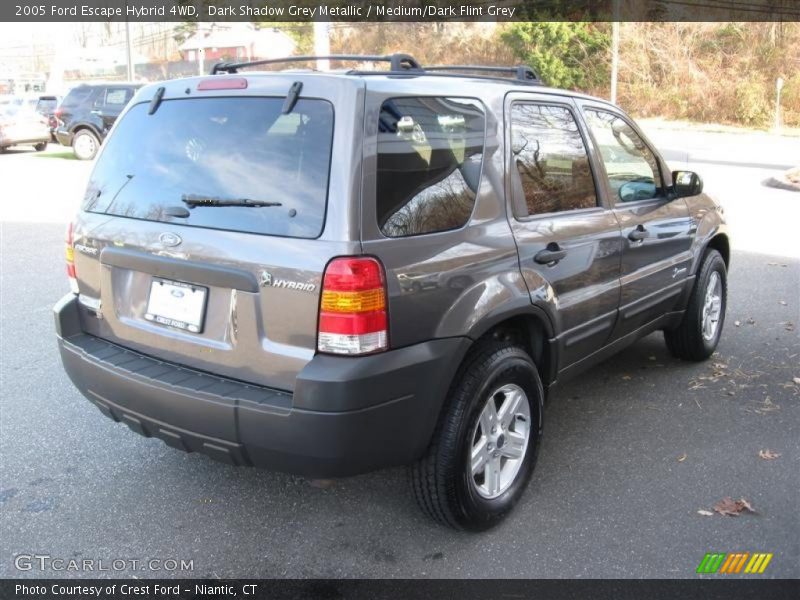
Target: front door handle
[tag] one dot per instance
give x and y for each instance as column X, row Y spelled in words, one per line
column 638, row 234
column 550, row 255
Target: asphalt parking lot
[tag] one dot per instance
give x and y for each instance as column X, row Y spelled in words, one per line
column 632, row 449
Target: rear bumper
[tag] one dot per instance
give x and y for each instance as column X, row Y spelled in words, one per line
column 346, row 416
column 63, row 137
column 11, row 141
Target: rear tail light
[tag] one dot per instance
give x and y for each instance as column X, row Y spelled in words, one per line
column 69, row 254
column 352, row 315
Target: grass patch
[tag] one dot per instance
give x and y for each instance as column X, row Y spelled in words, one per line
column 67, row 155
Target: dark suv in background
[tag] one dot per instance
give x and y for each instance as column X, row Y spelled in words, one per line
column 87, row 113
column 330, row 273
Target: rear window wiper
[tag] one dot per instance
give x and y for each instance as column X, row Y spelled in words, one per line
column 191, row 200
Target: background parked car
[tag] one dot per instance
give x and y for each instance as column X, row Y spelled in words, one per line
column 21, row 124
column 88, row 112
column 46, row 106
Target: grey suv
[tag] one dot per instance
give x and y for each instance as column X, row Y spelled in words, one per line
column 330, row 273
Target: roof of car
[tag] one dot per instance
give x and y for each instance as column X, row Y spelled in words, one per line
column 405, row 66
column 431, row 80
column 107, row 83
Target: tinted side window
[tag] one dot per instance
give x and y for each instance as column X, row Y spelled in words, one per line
column 551, row 159
column 430, row 155
column 631, row 166
column 117, row 96
column 77, row 96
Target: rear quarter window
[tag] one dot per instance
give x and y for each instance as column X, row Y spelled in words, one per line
column 77, row 96
column 156, row 167
column 430, row 158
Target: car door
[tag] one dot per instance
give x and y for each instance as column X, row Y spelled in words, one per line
column 657, row 230
column 569, row 242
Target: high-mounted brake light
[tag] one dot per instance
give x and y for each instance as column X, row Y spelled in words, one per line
column 352, row 314
column 69, row 254
column 223, row 83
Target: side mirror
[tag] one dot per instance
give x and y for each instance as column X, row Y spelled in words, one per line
column 686, row 183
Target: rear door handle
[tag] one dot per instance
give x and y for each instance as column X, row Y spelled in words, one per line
column 638, row 234
column 550, row 255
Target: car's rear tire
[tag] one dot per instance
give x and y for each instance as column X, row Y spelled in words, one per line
column 3, row 149
column 40, row 147
column 491, row 425
column 698, row 334
column 85, row 145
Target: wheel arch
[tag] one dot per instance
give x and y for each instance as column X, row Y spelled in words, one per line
column 721, row 244
column 84, row 127
column 532, row 329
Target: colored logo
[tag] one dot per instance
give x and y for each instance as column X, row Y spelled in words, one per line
column 736, row 562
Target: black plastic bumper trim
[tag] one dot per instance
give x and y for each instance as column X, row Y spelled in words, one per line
column 347, row 415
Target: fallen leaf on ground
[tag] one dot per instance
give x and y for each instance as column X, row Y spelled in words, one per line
column 751, row 321
column 682, row 457
column 728, row 507
column 768, row 454
column 766, row 406
column 737, row 323
column 796, row 380
column 626, row 377
column 322, row 484
column 782, row 302
column 705, row 513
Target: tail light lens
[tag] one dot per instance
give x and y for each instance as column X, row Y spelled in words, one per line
column 69, row 254
column 352, row 316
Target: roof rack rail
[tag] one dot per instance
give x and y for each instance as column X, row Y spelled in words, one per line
column 520, row 72
column 398, row 62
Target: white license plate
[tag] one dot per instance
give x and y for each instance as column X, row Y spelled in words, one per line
column 177, row 304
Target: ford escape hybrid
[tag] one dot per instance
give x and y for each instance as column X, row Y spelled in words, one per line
column 330, row 273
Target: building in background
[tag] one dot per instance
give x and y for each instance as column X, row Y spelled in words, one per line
column 236, row 41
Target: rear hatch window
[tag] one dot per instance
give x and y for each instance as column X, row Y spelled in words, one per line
column 235, row 164
column 46, row 105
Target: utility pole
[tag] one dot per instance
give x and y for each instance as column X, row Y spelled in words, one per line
column 200, row 35
column 322, row 44
column 128, row 53
column 615, row 51
column 201, row 51
column 778, row 88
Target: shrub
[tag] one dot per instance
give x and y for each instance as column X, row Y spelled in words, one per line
column 752, row 104
column 567, row 55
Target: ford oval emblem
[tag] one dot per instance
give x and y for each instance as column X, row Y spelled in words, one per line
column 177, row 293
column 170, row 239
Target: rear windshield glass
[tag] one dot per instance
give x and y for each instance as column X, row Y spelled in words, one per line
column 187, row 163
column 46, row 105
